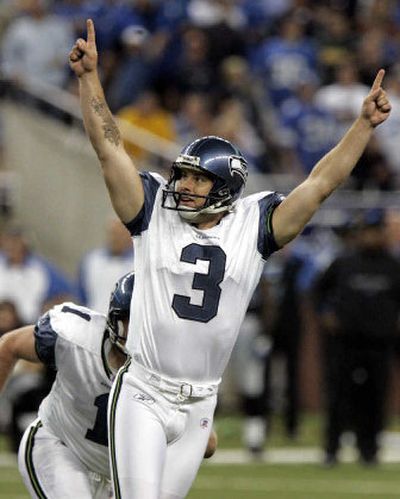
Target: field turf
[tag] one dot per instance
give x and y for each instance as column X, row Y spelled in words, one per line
column 263, row 480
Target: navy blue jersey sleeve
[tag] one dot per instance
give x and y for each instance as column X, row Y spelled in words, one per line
column 266, row 243
column 141, row 222
column 45, row 341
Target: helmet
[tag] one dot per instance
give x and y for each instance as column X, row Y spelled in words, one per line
column 218, row 159
column 119, row 309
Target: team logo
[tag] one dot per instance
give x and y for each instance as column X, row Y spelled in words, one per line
column 143, row 397
column 238, row 166
column 204, row 423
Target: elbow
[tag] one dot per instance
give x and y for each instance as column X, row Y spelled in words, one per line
column 7, row 346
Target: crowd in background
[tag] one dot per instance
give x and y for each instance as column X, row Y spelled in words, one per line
column 282, row 79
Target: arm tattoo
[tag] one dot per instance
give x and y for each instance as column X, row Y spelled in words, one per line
column 111, row 132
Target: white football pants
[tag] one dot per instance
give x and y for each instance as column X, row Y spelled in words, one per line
column 157, row 438
column 51, row 471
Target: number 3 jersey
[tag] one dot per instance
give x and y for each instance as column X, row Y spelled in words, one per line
column 192, row 287
column 72, row 339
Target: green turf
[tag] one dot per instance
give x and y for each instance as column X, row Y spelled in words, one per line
column 256, row 481
column 262, row 480
column 346, row 481
column 11, row 486
column 229, row 430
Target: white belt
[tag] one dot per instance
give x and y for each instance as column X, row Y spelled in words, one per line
column 181, row 388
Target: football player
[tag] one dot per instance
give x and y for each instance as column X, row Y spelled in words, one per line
column 200, row 250
column 63, row 453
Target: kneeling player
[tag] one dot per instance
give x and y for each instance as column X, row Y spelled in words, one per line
column 64, row 451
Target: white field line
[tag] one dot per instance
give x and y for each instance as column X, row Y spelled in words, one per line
column 390, row 453
column 293, row 456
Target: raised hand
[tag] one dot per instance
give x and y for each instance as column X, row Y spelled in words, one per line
column 376, row 107
column 83, row 56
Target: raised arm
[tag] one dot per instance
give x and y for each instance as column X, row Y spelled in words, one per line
column 122, row 179
column 16, row 345
column 296, row 210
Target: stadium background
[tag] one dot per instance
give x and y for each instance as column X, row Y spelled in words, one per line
column 44, row 156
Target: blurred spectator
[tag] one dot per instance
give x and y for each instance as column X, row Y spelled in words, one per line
column 393, row 231
column 225, row 24
column 343, row 97
column 236, row 82
column 27, row 279
column 133, row 74
column 308, row 131
column 232, row 124
column 147, row 112
column 359, row 304
column 284, row 60
column 373, row 170
column 7, row 181
column 101, row 268
column 191, row 69
column 9, row 318
column 288, row 277
column 194, row 118
column 74, row 11
column 25, row 389
column 336, row 39
column 35, row 45
column 262, row 14
column 250, row 360
column 8, row 11
column 376, row 49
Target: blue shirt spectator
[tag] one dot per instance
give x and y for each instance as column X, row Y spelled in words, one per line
column 283, row 61
column 101, row 267
column 307, row 129
column 28, row 280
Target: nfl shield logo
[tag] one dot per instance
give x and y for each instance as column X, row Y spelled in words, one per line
column 204, row 423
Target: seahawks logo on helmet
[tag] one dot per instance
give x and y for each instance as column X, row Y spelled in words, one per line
column 238, row 166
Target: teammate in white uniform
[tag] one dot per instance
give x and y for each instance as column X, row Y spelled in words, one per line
column 197, row 265
column 64, row 452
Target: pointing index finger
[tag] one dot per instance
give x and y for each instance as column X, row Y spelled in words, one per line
column 378, row 80
column 91, row 35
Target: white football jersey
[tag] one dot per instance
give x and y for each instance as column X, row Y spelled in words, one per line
column 192, row 287
column 72, row 338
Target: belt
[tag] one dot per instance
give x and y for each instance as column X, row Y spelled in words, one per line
column 181, row 388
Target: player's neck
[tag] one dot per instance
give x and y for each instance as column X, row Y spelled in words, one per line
column 209, row 223
column 116, row 358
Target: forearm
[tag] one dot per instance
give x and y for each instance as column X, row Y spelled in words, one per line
column 121, row 177
column 298, row 208
column 337, row 165
column 15, row 345
column 7, row 362
column 99, row 122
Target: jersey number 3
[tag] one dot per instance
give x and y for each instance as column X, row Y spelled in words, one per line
column 208, row 283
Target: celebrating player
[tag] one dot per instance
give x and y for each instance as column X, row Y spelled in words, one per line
column 199, row 252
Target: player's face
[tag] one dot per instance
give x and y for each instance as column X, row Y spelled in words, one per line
column 125, row 323
column 192, row 182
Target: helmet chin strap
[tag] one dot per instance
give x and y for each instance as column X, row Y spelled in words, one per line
column 203, row 214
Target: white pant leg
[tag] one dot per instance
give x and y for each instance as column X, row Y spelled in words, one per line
column 51, row 471
column 157, row 440
column 185, row 455
column 137, row 440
